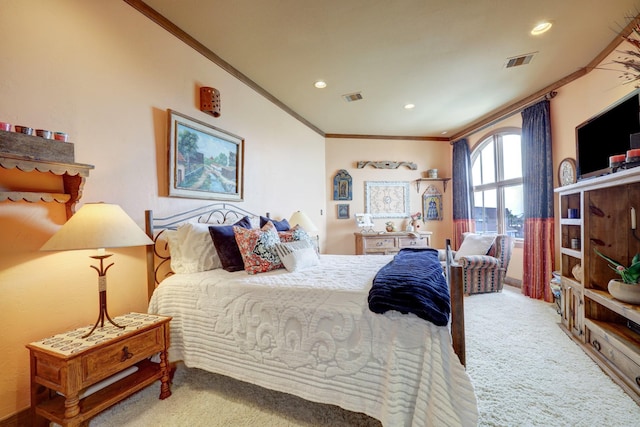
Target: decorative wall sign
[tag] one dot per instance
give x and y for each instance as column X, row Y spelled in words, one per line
column 342, row 186
column 204, row 162
column 432, row 204
column 386, row 199
column 343, row 211
column 210, row 101
column 386, row 164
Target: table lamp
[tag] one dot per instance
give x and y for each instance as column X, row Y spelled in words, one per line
column 302, row 219
column 98, row 226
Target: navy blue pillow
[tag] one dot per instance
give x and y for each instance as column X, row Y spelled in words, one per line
column 224, row 239
column 280, row 225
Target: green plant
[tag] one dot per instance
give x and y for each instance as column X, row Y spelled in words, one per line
column 631, row 274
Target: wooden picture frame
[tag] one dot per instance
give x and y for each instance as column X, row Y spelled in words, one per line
column 432, row 204
column 205, row 162
column 387, row 199
column 342, row 189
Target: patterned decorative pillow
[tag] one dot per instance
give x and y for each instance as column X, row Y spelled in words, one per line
column 297, row 255
column 282, row 225
column 295, row 234
column 258, row 248
column 224, row 240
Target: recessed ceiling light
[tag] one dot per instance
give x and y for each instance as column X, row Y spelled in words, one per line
column 542, row 27
column 320, row 84
column 409, row 106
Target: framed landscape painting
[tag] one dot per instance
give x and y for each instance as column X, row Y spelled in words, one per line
column 204, row 162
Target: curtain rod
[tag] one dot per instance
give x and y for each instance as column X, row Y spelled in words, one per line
column 547, row 96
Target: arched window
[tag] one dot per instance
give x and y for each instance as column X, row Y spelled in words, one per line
column 497, row 184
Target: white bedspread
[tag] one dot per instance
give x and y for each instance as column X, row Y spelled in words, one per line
column 311, row 334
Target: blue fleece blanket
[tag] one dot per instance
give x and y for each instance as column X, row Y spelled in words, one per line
column 413, row 282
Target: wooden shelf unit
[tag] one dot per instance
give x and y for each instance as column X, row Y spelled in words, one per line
column 34, row 154
column 443, row 180
column 607, row 329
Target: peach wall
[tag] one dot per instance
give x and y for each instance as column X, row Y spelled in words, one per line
column 345, row 154
column 577, row 102
column 105, row 74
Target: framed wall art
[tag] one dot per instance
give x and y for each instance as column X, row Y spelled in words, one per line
column 432, row 204
column 386, row 199
column 343, row 211
column 342, row 186
column 205, row 162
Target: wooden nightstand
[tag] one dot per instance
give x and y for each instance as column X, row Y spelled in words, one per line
column 66, row 370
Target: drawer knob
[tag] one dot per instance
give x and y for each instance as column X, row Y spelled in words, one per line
column 596, row 345
column 126, row 354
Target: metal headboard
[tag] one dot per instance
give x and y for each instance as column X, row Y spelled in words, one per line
column 158, row 256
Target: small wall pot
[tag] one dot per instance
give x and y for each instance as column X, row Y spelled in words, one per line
column 624, row 292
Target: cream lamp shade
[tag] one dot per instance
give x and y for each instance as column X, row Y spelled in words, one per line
column 302, row 219
column 96, row 226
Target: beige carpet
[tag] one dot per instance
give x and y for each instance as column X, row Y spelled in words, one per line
column 525, row 370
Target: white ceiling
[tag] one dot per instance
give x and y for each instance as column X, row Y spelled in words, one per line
column 445, row 56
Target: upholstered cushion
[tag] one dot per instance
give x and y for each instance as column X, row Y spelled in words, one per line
column 224, row 240
column 258, row 248
column 480, row 262
column 282, row 225
column 475, row 244
column 297, row 255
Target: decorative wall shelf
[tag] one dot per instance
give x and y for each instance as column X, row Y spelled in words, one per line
column 386, row 164
column 443, row 180
column 31, row 196
column 73, row 174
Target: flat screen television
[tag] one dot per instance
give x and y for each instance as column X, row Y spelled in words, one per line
column 606, row 134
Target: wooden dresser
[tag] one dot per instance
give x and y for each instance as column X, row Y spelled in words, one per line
column 74, row 378
column 390, row 243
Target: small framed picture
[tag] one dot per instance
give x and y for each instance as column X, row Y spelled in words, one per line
column 343, row 211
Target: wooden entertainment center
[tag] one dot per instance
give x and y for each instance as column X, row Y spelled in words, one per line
column 607, row 329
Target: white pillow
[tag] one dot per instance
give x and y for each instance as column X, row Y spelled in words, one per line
column 192, row 249
column 171, row 236
column 298, row 255
column 475, row 244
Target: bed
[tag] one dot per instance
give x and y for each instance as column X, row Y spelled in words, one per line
column 309, row 332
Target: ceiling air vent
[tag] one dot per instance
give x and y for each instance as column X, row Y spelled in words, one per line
column 350, row 97
column 519, row 60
